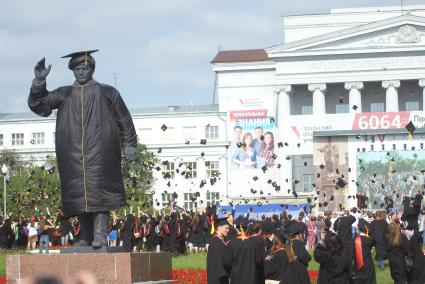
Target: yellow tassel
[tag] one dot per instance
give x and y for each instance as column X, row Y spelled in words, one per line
column 243, row 234
column 410, row 136
column 85, row 62
column 212, row 229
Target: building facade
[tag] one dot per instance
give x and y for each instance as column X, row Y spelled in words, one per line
column 320, row 118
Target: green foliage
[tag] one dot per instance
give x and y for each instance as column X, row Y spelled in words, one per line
column 138, row 179
column 32, row 189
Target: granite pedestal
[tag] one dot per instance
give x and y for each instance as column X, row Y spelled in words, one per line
column 107, row 268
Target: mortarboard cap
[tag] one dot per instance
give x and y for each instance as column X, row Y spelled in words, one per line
column 221, row 222
column 295, row 228
column 81, row 57
column 341, row 183
column 363, row 225
column 410, row 128
column 282, row 236
column 355, row 107
column 203, row 141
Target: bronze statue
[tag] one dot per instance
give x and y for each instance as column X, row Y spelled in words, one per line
column 92, row 125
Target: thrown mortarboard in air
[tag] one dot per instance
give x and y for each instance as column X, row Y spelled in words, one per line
column 164, row 127
column 81, row 57
column 410, row 128
column 341, row 183
column 355, row 107
column 203, row 141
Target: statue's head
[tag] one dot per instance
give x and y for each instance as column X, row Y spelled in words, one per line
column 82, row 64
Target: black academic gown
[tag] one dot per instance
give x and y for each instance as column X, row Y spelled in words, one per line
column 342, row 227
column 379, row 231
column 259, row 244
column 417, row 274
column 302, row 254
column 396, row 257
column 334, row 269
column 279, row 268
column 367, row 273
column 244, row 268
column 219, row 261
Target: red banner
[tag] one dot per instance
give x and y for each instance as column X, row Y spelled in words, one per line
column 380, row 120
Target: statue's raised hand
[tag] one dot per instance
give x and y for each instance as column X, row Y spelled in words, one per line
column 40, row 70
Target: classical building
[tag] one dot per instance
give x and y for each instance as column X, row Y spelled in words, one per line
column 323, row 117
column 342, row 87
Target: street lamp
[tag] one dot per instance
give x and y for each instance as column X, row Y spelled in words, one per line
column 4, row 171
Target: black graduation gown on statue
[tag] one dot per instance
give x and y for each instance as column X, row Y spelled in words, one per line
column 244, row 266
column 302, row 254
column 379, row 231
column 219, row 261
column 367, row 273
column 417, row 274
column 396, row 257
column 92, row 123
column 280, row 269
column 334, row 269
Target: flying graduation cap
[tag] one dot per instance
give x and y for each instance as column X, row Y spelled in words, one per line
column 410, row 128
column 81, row 57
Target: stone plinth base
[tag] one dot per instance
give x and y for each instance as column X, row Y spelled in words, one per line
column 107, row 268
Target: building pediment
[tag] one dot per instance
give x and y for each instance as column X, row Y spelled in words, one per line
column 401, row 33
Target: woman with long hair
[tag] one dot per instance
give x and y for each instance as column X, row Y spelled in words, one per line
column 32, row 233
column 44, row 229
column 398, row 249
column 128, row 233
column 282, row 264
column 267, row 149
column 334, row 267
column 312, row 233
column 196, row 234
column 246, row 159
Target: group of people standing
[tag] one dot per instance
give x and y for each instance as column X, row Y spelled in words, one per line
column 255, row 251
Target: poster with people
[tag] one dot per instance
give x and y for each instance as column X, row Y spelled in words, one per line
column 253, row 141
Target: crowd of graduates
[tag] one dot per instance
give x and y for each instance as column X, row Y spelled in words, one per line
column 243, row 250
column 249, row 251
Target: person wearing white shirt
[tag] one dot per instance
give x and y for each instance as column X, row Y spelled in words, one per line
column 32, row 233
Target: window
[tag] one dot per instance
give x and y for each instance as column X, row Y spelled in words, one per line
column 394, row 147
column 168, row 135
column 190, row 133
column 404, row 146
column 1, row 139
column 190, row 201
column 145, row 135
column 190, row 168
column 169, row 169
column 377, row 107
column 372, row 147
column 37, row 138
column 383, row 147
column 307, row 181
column 212, row 168
column 166, row 197
column 422, row 145
column 342, row 108
column 213, row 198
column 306, row 109
column 412, row 106
column 211, row 132
column 17, row 139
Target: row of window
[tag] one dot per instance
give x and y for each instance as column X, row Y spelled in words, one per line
column 189, row 133
column 374, row 107
column 190, row 169
column 394, row 147
column 18, row 139
column 190, row 199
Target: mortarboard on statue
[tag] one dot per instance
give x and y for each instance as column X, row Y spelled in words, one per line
column 81, row 57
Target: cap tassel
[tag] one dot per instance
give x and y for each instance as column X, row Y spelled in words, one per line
column 410, row 136
column 85, row 61
column 212, row 228
column 243, row 236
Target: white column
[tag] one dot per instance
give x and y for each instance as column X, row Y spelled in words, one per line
column 319, row 106
column 355, row 97
column 283, row 100
column 422, row 84
column 391, row 98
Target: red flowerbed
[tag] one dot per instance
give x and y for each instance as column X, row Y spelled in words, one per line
column 199, row 276
column 2, row 279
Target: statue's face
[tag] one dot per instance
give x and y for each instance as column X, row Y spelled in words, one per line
column 83, row 73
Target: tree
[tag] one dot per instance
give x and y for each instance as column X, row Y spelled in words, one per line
column 138, row 179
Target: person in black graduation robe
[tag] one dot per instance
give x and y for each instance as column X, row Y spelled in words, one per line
column 416, row 275
column 397, row 253
column 244, row 264
column 219, row 256
column 296, row 231
column 361, row 253
column 343, row 227
column 279, row 266
column 259, row 243
column 379, row 231
column 334, row 266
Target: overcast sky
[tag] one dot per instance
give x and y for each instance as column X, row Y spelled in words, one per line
column 159, row 49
